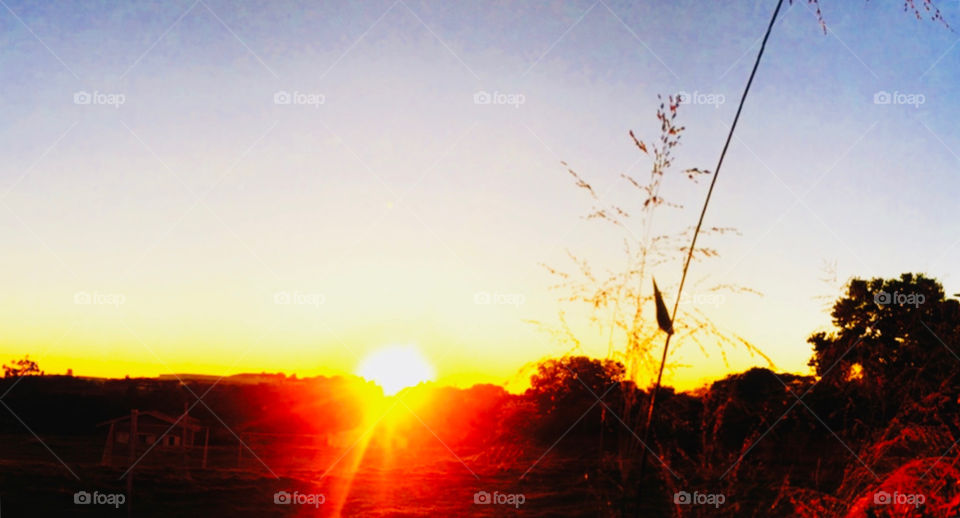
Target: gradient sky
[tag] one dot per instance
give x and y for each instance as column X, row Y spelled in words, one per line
column 397, row 200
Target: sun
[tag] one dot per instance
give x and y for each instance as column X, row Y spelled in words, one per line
column 395, row 368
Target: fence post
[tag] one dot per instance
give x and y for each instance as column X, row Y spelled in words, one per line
column 206, row 442
column 134, row 414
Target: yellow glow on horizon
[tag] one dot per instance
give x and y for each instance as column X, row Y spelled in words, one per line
column 395, row 368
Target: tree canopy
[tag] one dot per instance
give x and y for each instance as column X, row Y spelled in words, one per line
column 896, row 335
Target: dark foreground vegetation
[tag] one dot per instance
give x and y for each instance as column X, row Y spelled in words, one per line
column 873, row 434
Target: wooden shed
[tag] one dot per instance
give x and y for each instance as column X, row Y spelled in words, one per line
column 150, row 430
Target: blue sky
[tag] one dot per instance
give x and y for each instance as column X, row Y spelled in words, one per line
column 398, row 198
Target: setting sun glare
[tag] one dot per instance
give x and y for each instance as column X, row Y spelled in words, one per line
column 395, row 368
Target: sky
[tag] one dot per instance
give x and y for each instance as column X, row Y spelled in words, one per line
column 215, row 187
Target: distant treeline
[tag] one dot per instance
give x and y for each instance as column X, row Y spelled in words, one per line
column 881, row 416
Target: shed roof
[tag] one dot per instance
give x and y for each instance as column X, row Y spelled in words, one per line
column 179, row 421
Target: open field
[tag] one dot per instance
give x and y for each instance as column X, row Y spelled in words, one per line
column 433, row 484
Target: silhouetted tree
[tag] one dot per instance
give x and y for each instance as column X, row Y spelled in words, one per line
column 564, row 392
column 897, row 337
column 22, row 367
column 559, row 376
